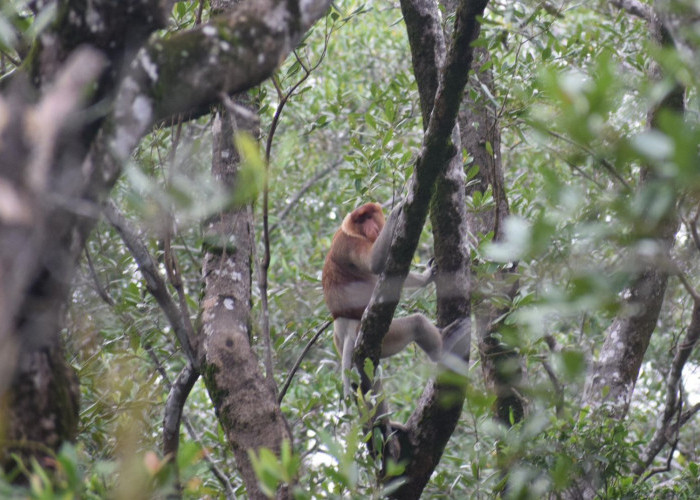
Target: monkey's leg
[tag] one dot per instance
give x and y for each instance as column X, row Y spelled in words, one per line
column 344, row 335
column 413, row 328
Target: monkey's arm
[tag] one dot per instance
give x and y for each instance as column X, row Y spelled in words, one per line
column 419, row 280
column 380, row 251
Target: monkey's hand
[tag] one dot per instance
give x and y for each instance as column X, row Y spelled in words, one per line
column 456, row 340
column 394, row 215
column 431, row 271
column 416, row 280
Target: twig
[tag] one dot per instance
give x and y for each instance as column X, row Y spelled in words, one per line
column 292, row 372
column 308, row 185
column 155, row 283
column 265, row 264
column 576, row 168
column 101, row 291
column 218, row 473
column 605, row 163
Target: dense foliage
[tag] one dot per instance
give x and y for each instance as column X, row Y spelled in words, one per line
column 572, row 94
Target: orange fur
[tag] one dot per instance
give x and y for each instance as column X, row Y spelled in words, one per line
column 348, row 282
column 347, row 279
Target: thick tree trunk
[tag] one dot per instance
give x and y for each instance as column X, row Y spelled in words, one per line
column 481, row 138
column 437, row 412
column 245, row 403
column 51, row 190
column 42, row 235
column 612, row 378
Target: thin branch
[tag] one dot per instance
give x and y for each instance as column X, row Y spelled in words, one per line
column 672, row 407
column 576, row 168
column 686, row 284
column 689, row 413
column 636, row 8
column 667, row 465
column 290, row 376
column 213, row 467
column 172, row 267
column 155, row 283
column 12, row 60
column 101, row 291
column 605, row 163
column 308, row 185
column 265, row 264
column 179, row 391
column 557, row 387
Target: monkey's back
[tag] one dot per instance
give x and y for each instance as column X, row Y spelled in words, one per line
column 347, row 287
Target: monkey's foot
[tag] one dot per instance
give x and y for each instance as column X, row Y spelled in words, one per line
column 456, row 339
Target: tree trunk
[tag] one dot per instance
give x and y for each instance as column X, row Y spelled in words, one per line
column 438, row 410
column 57, row 169
column 244, row 401
column 481, row 137
column 613, row 376
column 43, row 234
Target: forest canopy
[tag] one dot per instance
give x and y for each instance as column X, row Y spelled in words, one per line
column 172, row 174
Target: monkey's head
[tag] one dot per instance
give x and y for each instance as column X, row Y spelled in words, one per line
column 366, row 221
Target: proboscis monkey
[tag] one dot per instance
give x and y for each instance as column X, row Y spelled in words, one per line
column 356, row 258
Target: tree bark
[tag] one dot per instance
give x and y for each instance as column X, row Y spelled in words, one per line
column 55, row 183
column 432, row 423
column 245, row 403
column 612, row 378
column 481, row 138
column 438, row 410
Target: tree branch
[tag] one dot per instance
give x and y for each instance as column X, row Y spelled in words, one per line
column 185, row 73
column 432, row 161
column 636, row 8
column 294, row 369
column 155, row 283
column 431, row 424
column 179, row 391
column 666, row 427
